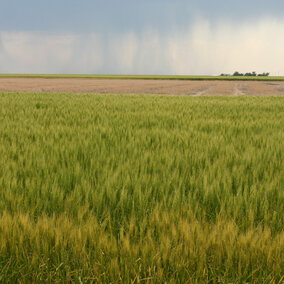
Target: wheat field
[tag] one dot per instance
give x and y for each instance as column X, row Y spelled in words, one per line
column 141, row 188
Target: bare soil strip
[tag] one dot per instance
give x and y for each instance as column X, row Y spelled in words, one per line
column 133, row 86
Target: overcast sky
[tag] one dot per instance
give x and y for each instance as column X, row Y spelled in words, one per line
column 141, row 36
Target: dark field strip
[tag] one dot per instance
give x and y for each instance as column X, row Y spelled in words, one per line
column 146, row 77
column 128, row 189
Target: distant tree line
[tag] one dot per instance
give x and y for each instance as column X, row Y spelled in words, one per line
column 252, row 74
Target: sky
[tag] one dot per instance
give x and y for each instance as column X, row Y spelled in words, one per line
column 179, row 37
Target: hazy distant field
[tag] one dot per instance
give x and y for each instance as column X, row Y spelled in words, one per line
column 154, row 189
column 150, row 77
column 140, row 86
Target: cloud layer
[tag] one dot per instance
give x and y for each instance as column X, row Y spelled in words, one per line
column 202, row 48
column 87, row 16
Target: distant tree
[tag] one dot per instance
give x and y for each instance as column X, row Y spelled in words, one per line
column 238, row 74
column 248, row 74
column 264, row 74
column 252, row 74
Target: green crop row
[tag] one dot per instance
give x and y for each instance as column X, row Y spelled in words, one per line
column 129, row 189
column 147, row 77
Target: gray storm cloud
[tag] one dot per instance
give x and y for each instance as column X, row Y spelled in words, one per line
column 203, row 48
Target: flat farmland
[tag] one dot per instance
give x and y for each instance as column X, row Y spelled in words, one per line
column 141, row 189
column 196, row 87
